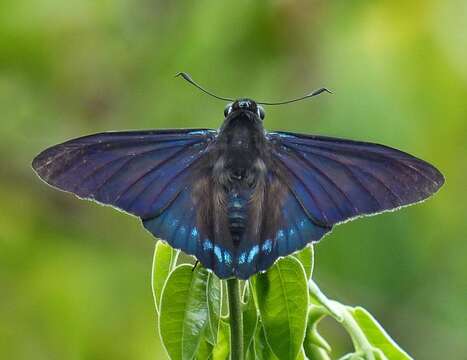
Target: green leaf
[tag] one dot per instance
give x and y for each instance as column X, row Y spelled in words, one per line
column 204, row 350
column 250, row 318
column 302, row 355
column 377, row 336
column 306, row 258
column 261, row 347
column 222, row 349
column 214, row 296
column 164, row 261
column 314, row 345
column 282, row 295
column 184, row 311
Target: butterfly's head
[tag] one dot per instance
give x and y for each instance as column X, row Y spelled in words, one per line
column 244, row 105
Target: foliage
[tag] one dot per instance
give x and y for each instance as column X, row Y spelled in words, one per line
column 282, row 308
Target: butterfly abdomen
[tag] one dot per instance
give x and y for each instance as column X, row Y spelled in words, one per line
column 237, row 215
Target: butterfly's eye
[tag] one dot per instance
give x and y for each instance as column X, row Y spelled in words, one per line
column 227, row 109
column 260, row 112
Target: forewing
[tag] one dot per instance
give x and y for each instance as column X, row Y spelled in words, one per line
column 140, row 172
column 336, row 179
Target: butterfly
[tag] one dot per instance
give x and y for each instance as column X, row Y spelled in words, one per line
column 239, row 197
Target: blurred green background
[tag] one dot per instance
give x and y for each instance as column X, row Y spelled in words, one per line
column 75, row 277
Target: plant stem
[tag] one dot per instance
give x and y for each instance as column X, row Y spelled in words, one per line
column 342, row 314
column 359, row 339
column 236, row 319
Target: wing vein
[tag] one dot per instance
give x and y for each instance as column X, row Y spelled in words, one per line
column 327, row 150
column 70, row 147
column 130, row 158
column 369, row 174
column 306, row 189
column 156, row 178
column 165, row 186
column 158, row 166
column 376, row 155
column 325, row 176
column 352, row 174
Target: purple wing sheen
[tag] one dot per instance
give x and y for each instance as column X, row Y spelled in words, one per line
column 149, row 174
column 139, row 172
column 336, row 179
column 329, row 181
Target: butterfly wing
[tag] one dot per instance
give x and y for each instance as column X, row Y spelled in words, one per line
column 139, row 172
column 313, row 183
column 291, row 230
column 336, row 180
column 188, row 225
column 144, row 173
column 326, row 181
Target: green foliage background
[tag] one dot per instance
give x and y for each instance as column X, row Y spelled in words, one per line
column 75, row 277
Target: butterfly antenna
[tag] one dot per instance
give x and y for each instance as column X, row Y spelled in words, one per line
column 314, row 93
column 188, row 78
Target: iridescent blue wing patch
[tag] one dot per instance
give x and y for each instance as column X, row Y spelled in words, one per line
column 179, row 225
column 336, row 180
column 293, row 232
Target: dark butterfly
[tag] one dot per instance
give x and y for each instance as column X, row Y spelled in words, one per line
column 239, row 197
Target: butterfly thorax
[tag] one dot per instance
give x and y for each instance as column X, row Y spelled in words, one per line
column 238, row 176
